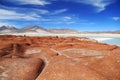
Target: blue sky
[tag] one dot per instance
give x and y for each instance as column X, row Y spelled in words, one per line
column 82, row 15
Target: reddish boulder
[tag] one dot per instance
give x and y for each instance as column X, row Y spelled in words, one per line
column 61, row 68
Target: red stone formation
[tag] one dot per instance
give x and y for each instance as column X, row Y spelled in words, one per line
column 57, row 58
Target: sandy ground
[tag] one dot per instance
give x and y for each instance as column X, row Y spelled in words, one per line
column 77, row 35
column 65, row 35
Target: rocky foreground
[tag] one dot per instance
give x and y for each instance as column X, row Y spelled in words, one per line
column 57, row 58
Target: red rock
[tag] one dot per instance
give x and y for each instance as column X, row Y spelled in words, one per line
column 19, row 69
column 61, row 68
column 59, row 58
column 5, row 49
column 108, row 66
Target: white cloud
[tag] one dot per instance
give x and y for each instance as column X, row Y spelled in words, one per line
column 43, row 11
column 12, row 15
column 34, row 11
column 99, row 4
column 33, row 2
column 67, row 18
column 26, row 9
column 7, row 12
column 58, row 20
column 59, row 11
column 116, row 18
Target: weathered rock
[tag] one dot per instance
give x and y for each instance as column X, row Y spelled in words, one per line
column 5, row 49
column 57, row 58
column 19, row 69
column 61, row 68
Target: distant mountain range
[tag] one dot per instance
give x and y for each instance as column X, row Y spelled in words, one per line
column 35, row 29
column 8, row 29
column 41, row 30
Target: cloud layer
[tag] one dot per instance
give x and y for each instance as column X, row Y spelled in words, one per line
column 32, row 2
column 99, row 4
column 12, row 15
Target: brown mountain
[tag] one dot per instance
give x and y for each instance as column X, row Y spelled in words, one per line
column 37, row 29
